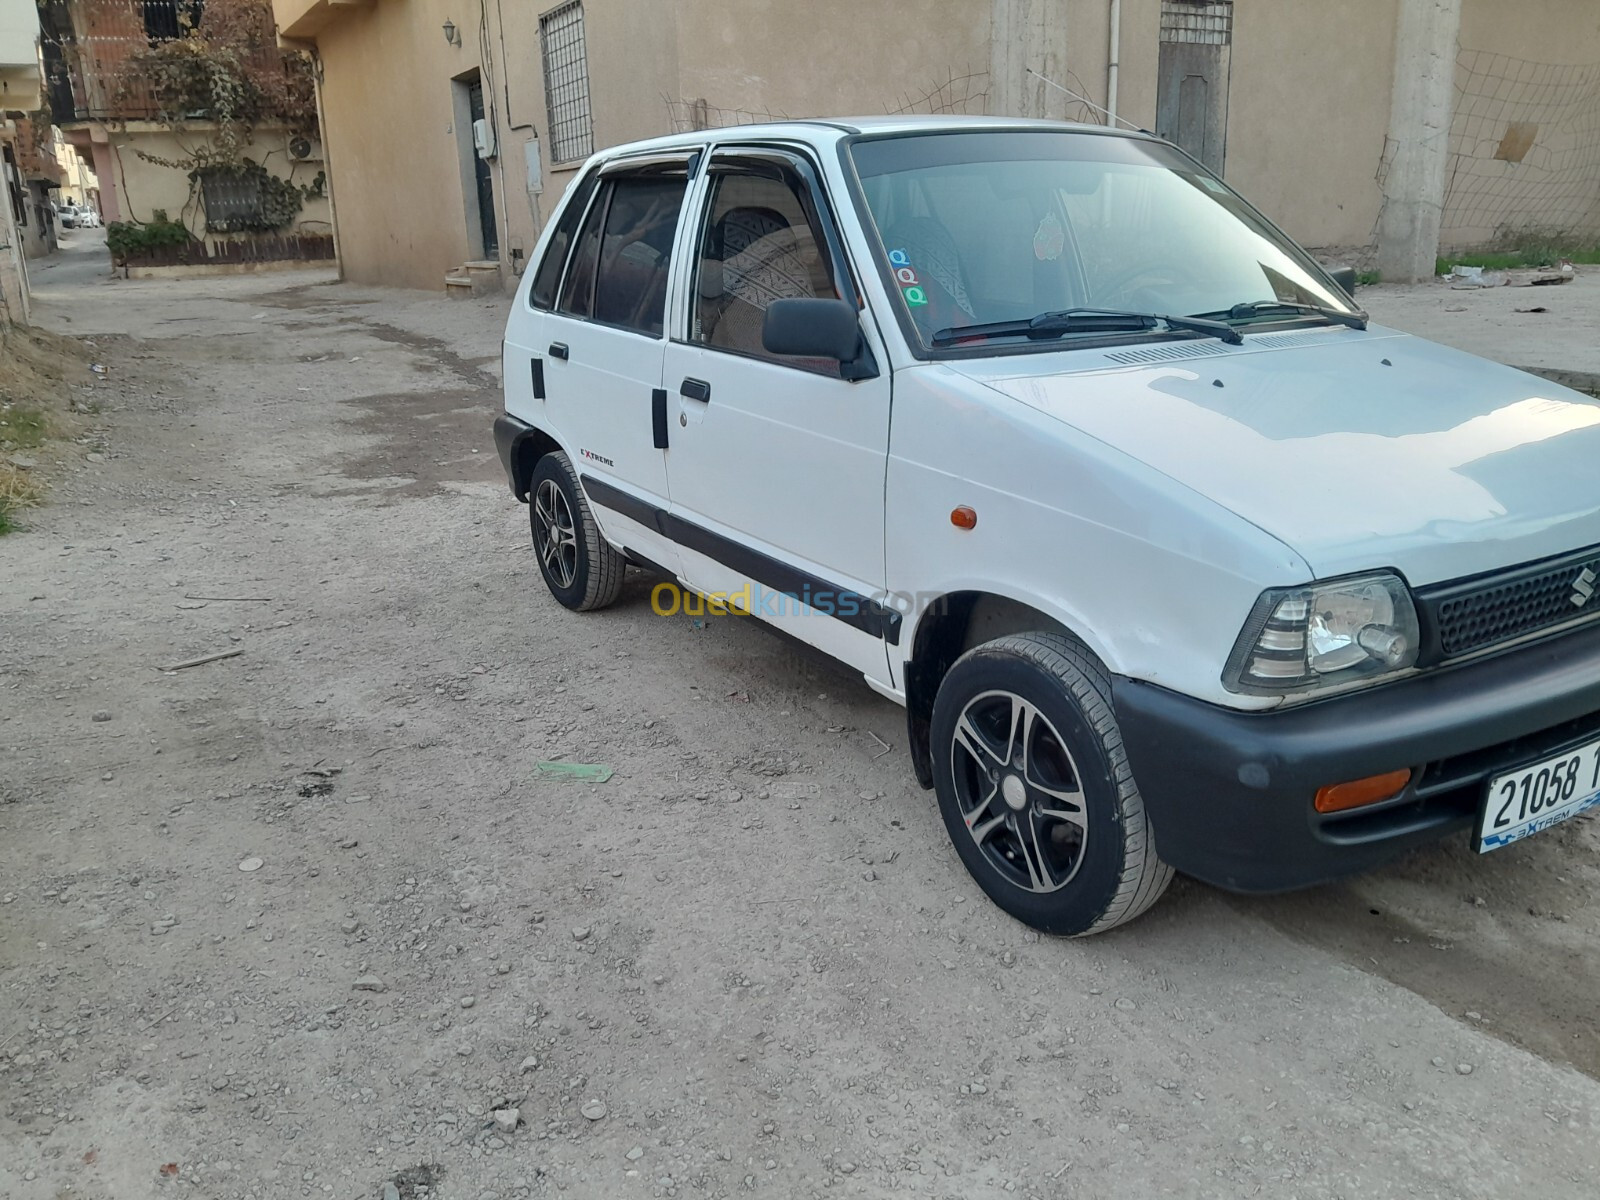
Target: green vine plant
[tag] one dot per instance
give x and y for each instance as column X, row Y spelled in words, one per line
column 279, row 200
column 125, row 238
column 215, row 83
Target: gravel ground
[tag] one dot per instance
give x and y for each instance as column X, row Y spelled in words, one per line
column 306, row 921
column 1551, row 330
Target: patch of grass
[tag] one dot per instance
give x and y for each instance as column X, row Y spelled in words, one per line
column 1368, row 278
column 17, row 491
column 23, row 428
column 1528, row 250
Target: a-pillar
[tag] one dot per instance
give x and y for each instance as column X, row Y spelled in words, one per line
column 1426, row 38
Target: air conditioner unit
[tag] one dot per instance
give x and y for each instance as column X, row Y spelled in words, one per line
column 300, row 147
column 483, row 138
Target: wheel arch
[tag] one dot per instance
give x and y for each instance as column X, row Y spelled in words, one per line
column 947, row 629
column 529, row 447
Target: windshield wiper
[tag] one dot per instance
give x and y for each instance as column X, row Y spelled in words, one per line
column 1085, row 320
column 1258, row 308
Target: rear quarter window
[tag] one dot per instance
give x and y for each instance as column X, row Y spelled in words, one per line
column 548, row 277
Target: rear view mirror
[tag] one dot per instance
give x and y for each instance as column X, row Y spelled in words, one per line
column 810, row 328
column 1345, row 277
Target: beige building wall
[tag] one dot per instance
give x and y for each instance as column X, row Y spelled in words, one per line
column 1309, row 105
column 393, row 151
column 145, row 187
column 828, row 57
column 391, row 124
column 78, row 179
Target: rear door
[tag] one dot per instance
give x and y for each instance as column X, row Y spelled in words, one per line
column 777, row 464
column 591, row 342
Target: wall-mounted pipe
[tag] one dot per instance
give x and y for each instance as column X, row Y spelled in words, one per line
column 1112, row 55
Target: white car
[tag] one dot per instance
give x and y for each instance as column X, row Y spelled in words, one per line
column 1175, row 562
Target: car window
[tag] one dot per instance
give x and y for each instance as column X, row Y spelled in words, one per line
column 757, row 244
column 548, row 277
column 636, row 251
column 980, row 228
column 619, row 266
column 577, row 290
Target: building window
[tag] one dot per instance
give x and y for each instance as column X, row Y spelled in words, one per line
column 566, row 82
column 169, row 20
column 233, row 200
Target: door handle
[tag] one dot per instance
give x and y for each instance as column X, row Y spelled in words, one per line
column 696, row 389
column 558, row 350
column 658, row 418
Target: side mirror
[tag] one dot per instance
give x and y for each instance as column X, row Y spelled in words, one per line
column 811, row 328
column 1345, row 277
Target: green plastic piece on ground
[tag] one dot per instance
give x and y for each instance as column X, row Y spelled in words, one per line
column 584, row 772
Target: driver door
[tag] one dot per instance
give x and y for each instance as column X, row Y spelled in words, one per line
column 776, row 467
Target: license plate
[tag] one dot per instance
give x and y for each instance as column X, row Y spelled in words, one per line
column 1527, row 800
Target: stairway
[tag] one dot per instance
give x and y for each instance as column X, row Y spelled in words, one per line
column 473, row 279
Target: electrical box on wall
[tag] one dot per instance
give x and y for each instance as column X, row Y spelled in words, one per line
column 483, row 138
column 530, row 151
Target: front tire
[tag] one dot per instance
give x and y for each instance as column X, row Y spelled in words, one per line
column 582, row 570
column 1035, row 788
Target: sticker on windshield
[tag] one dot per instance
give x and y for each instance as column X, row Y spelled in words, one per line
column 908, row 279
column 1049, row 239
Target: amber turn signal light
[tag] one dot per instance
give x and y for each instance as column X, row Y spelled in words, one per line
column 964, row 517
column 1360, row 792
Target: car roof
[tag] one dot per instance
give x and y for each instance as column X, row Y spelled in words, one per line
column 823, row 131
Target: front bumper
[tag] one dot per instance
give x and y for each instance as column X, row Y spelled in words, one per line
column 1230, row 793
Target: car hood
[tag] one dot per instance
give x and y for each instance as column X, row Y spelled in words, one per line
column 1357, row 450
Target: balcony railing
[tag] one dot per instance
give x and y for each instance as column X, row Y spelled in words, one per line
column 94, row 51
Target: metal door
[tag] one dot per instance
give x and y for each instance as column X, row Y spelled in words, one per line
column 1192, row 84
column 485, row 181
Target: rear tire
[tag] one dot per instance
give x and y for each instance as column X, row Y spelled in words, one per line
column 582, row 570
column 1035, row 788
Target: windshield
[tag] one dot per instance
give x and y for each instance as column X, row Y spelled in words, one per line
column 985, row 227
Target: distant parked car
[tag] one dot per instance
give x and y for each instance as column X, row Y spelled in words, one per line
column 88, row 219
column 67, row 214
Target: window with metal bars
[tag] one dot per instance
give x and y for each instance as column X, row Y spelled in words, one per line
column 233, row 200
column 566, row 82
column 1205, row 22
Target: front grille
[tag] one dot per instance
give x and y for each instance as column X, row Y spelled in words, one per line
column 1474, row 615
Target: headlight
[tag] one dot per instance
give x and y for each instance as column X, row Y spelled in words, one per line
column 1324, row 635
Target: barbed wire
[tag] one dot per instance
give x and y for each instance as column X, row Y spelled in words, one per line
column 967, row 93
column 688, row 116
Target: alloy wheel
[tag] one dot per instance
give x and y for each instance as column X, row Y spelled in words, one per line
column 1019, row 791
column 557, row 536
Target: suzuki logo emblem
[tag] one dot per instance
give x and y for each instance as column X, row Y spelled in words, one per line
column 1583, row 587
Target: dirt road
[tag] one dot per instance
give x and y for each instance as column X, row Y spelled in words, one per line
column 306, row 922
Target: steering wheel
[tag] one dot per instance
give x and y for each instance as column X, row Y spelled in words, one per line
column 1120, row 291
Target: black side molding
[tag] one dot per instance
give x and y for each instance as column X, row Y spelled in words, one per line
column 658, row 418
column 840, row 603
column 538, row 378
column 628, row 505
